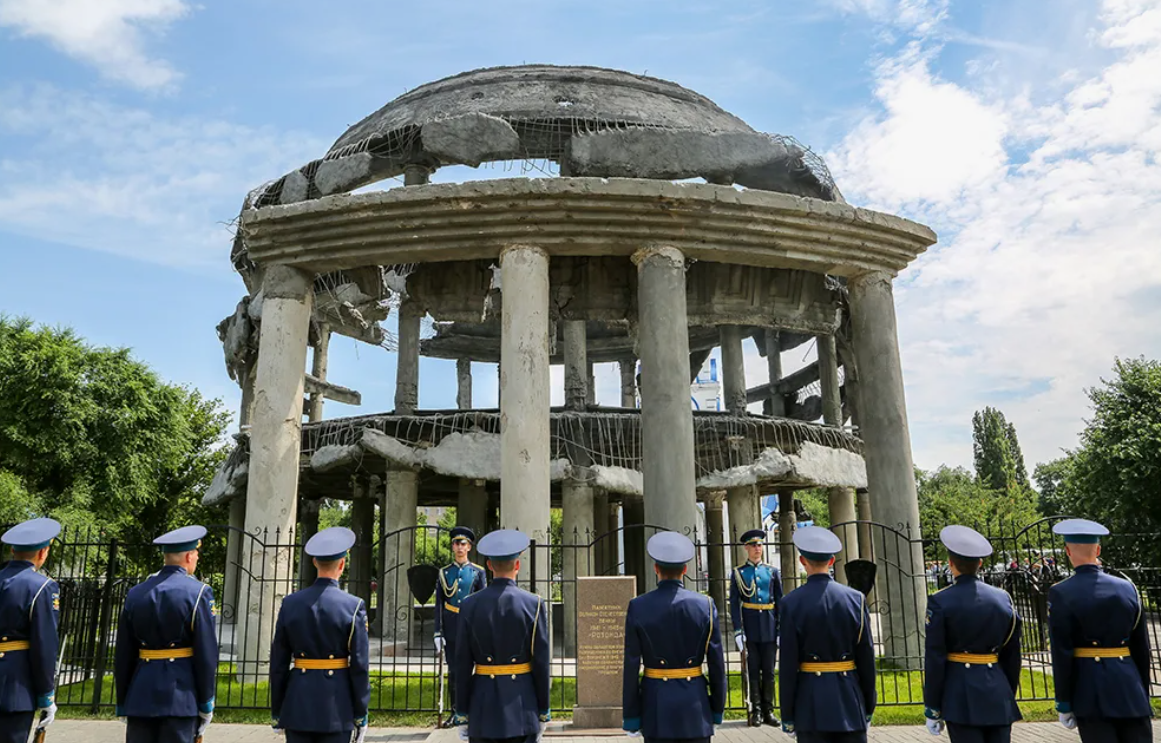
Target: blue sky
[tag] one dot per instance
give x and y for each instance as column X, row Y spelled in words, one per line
column 1026, row 134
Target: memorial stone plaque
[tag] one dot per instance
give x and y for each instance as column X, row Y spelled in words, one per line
column 601, row 606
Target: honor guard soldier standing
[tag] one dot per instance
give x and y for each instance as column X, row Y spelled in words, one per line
column 320, row 678
column 502, row 653
column 457, row 581
column 755, row 593
column 828, row 658
column 29, row 604
column 167, row 650
column 973, row 649
column 1100, row 645
column 673, row 631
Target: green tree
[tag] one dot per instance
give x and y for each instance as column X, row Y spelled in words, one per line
column 998, row 461
column 94, row 438
column 953, row 496
column 1114, row 476
column 1052, row 481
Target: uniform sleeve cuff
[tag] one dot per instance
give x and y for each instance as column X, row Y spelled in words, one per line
column 207, row 707
column 632, row 724
column 546, row 716
column 788, row 726
column 1064, row 708
column 363, row 721
column 44, row 701
column 932, row 714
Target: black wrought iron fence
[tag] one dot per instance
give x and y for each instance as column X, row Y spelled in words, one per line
column 250, row 574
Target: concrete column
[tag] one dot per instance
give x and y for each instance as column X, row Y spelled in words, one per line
column 363, row 524
column 745, row 514
column 733, row 370
column 628, row 369
column 275, row 442
column 591, row 397
column 840, row 501
column 576, row 365
column 863, row 506
column 775, row 405
column 416, row 174
column 715, row 544
column 600, row 561
column 234, row 544
column 397, row 551
column 493, row 515
column 890, row 471
column 407, row 362
column 576, row 532
column 635, row 538
column 472, row 508
column 786, row 523
column 524, row 398
column 464, row 384
column 318, row 368
column 666, row 417
column 308, row 511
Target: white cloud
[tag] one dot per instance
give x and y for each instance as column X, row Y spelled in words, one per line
column 107, row 34
column 84, row 172
column 912, row 16
column 1049, row 263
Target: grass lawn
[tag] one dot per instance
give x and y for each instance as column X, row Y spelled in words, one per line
column 900, row 696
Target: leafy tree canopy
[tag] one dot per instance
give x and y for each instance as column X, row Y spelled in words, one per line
column 94, row 437
column 999, row 462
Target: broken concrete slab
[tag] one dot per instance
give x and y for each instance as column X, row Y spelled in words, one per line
column 471, row 139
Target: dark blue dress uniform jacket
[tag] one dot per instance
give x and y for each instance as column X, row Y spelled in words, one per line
column 461, row 582
column 972, row 617
column 825, row 622
column 1095, row 609
column 763, row 584
column 171, row 609
column 502, row 625
column 672, row 627
column 29, row 603
column 320, row 623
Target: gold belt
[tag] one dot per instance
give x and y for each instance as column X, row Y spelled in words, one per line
column 517, row 669
column 169, row 654
column 322, row 664
column 758, row 607
column 672, row 673
column 452, row 609
column 979, row 659
column 1101, row 653
column 8, row 647
column 836, row 667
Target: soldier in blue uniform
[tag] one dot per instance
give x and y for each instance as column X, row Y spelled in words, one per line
column 973, row 649
column 166, row 661
column 29, row 604
column 828, row 658
column 320, row 678
column 502, row 653
column 673, row 631
column 1100, row 645
column 457, row 581
column 755, row 591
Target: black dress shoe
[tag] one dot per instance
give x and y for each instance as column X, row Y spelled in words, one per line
column 755, row 719
column 447, row 724
column 768, row 718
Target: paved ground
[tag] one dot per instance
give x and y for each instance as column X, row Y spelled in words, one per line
column 87, row 731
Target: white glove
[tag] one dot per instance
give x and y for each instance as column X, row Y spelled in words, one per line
column 463, row 731
column 1068, row 720
column 739, row 640
column 438, row 644
column 792, row 734
column 49, row 716
column 935, row 727
column 633, row 733
column 360, row 733
column 205, row 723
column 540, row 733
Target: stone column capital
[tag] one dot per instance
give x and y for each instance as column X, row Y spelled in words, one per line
column 286, row 282
column 871, row 278
column 714, row 500
column 522, row 248
column 671, row 254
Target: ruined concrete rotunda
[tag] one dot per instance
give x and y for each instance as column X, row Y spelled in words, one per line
column 669, row 227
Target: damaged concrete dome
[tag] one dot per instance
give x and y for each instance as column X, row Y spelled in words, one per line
column 591, row 122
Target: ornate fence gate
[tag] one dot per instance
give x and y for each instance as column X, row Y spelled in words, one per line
column 396, row 577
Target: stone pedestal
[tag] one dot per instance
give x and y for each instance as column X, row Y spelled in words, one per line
column 602, row 603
